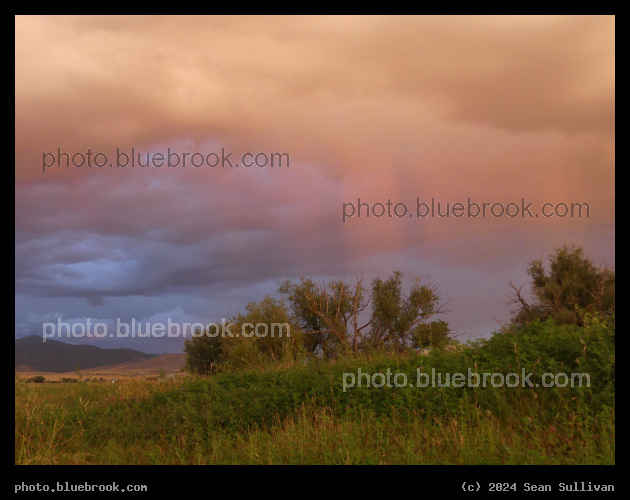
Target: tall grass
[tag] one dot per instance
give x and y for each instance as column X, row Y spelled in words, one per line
column 301, row 414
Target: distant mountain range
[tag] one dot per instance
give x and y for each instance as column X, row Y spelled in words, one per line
column 58, row 357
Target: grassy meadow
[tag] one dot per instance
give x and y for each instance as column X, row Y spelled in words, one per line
column 300, row 413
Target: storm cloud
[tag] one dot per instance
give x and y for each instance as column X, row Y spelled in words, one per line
column 496, row 109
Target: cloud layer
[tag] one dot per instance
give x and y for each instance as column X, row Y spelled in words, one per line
column 495, row 109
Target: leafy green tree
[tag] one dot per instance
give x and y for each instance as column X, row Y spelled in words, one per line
column 328, row 319
column 203, row 352
column 395, row 315
column 335, row 320
column 568, row 290
column 431, row 334
column 265, row 333
column 328, row 313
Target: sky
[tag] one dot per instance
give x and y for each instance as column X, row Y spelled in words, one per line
column 503, row 110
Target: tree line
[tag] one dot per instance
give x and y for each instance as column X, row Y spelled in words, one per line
column 344, row 317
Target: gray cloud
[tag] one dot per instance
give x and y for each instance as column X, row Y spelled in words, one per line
column 492, row 108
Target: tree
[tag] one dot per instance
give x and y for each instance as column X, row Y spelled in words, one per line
column 203, row 352
column 396, row 316
column 329, row 319
column 430, row 334
column 266, row 332
column 328, row 313
column 571, row 287
column 333, row 319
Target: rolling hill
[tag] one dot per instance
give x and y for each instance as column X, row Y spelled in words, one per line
column 32, row 354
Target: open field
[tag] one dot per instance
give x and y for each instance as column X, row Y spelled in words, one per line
column 167, row 364
column 169, row 422
column 301, row 414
